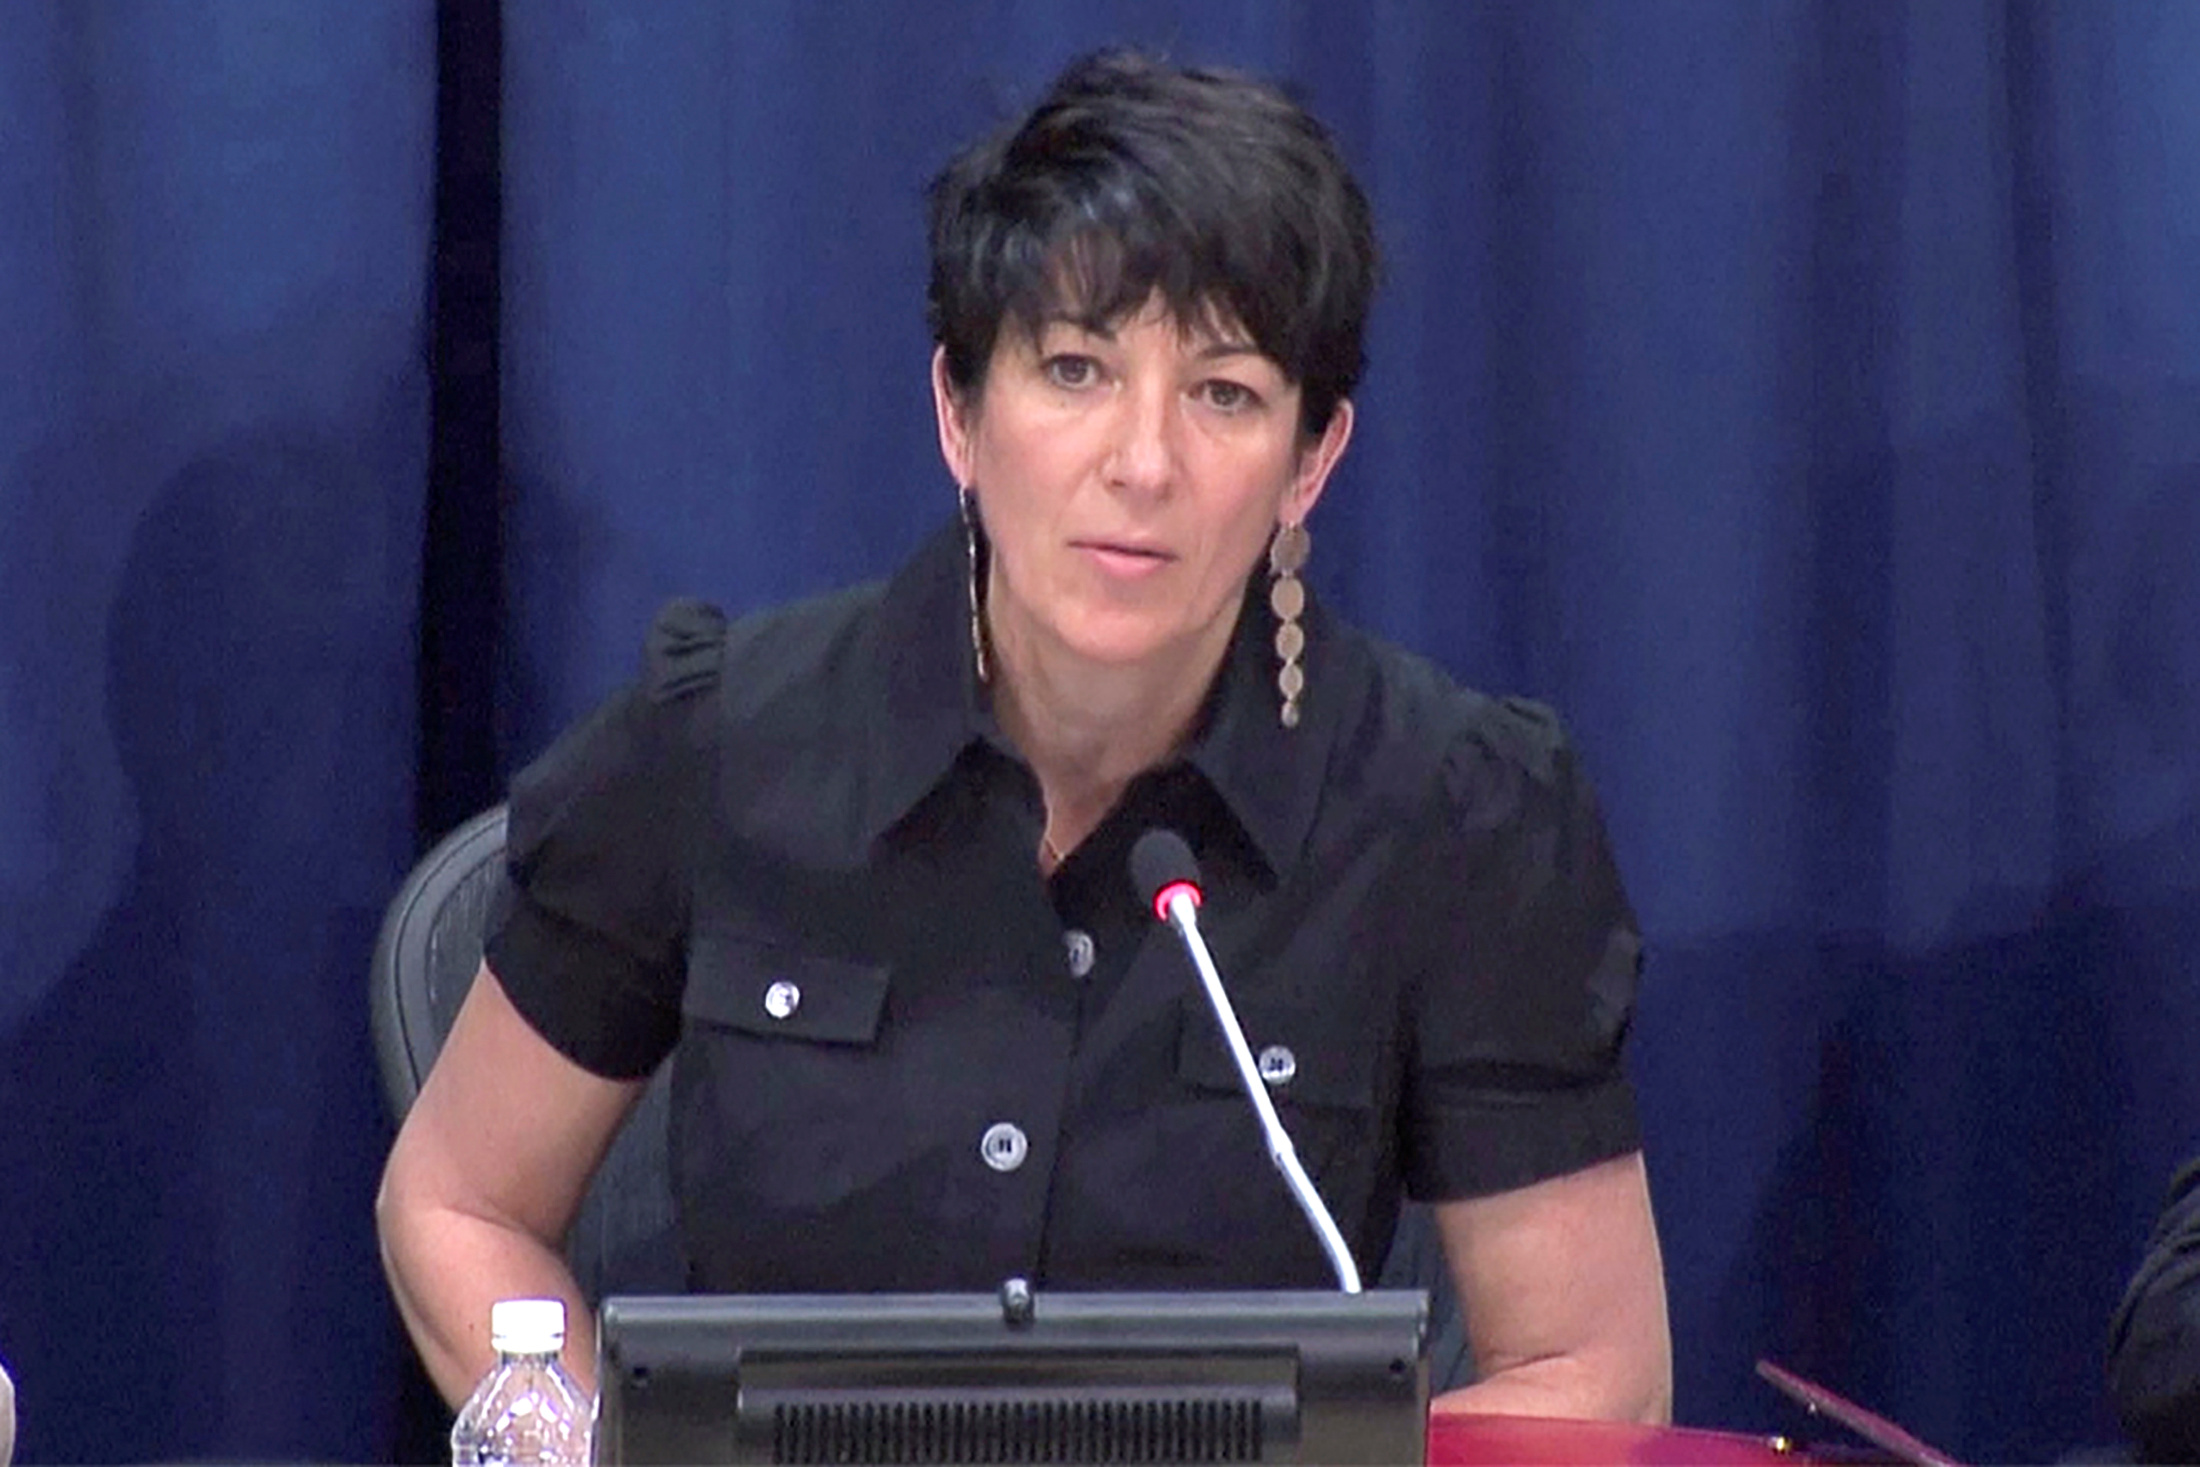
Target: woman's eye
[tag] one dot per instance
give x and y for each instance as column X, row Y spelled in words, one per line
column 1070, row 370
column 1229, row 397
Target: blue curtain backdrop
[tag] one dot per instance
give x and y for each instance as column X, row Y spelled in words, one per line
column 1804, row 395
column 214, row 220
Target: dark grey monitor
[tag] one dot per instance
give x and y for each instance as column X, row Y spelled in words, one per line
column 1018, row 1376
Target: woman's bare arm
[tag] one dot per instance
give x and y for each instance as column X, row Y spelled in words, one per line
column 1563, row 1292
column 488, row 1169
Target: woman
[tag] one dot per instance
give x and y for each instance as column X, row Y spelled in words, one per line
column 857, row 866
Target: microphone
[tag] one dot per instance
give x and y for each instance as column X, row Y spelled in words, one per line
column 1166, row 875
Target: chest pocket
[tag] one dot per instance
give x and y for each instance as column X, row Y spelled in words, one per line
column 786, row 1133
column 1319, row 1075
column 1326, row 1094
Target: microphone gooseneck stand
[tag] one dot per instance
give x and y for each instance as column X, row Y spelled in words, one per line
column 1166, row 874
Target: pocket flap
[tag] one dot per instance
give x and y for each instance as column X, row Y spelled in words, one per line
column 1313, row 1063
column 741, row 982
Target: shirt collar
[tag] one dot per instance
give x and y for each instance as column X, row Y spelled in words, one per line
column 1269, row 777
column 933, row 705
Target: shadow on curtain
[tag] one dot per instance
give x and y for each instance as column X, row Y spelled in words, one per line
column 211, row 465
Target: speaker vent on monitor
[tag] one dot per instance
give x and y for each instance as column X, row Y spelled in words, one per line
column 1091, row 1428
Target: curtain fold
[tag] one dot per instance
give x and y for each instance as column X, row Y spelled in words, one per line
column 212, row 446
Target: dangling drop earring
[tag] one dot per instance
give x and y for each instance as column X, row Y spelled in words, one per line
column 1287, row 555
column 977, row 613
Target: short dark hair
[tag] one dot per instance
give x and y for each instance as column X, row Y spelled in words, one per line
column 1133, row 178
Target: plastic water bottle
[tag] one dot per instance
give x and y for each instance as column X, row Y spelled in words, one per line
column 527, row 1410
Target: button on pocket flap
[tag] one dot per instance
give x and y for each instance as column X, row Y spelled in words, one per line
column 1299, row 1060
column 742, row 983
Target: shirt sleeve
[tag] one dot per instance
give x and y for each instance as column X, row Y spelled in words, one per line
column 589, row 938
column 2154, row 1341
column 1527, row 958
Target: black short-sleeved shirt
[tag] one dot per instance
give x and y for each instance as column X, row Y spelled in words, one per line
column 799, row 857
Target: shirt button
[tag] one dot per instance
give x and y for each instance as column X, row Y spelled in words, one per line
column 1277, row 1064
column 1078, row 943
column 782, row 999
column 1003, row 1146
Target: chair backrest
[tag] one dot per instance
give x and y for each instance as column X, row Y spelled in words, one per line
column 622, row 1240
column 1416, row 1261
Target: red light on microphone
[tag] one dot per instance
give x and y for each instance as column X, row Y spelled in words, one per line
column 1169, row 893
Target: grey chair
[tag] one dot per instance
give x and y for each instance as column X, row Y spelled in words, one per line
column 622, row 1240
column 1416, row 1261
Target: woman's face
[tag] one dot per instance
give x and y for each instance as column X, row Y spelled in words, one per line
column 1129, row 479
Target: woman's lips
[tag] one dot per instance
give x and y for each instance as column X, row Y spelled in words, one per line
column 1124, row 562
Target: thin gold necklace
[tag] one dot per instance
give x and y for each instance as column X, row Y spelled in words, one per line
column 1048, row 852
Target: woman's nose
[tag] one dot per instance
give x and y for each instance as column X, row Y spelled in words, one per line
column 1144, row 453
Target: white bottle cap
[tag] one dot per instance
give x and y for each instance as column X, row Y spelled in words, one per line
column 527, row 1326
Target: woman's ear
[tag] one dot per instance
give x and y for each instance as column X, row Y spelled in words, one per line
column 1316, row 461
column 954, row 420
